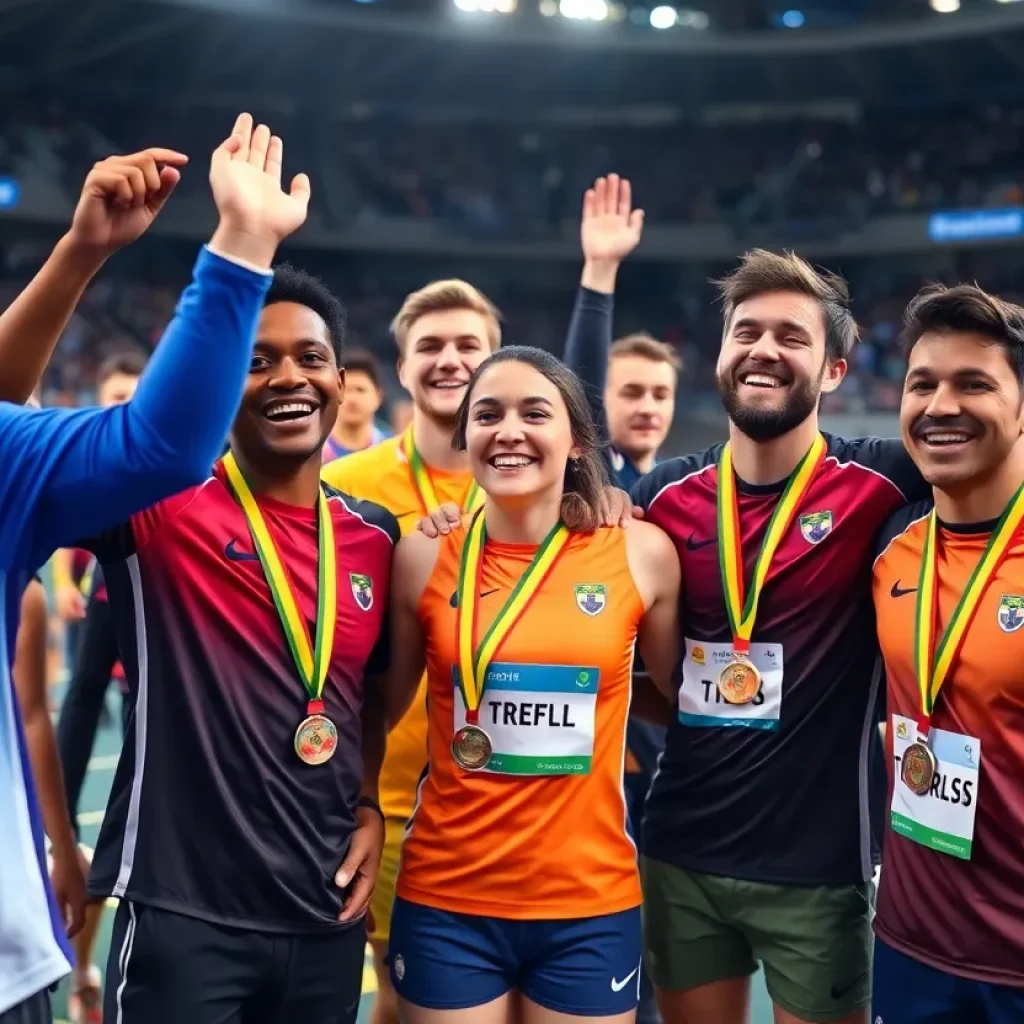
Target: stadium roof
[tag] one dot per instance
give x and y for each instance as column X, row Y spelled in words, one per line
column 336, row 52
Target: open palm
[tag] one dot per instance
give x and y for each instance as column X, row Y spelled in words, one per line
column 610, row 229
column 245, row 175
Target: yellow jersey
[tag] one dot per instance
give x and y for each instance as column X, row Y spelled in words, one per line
column 383, row 474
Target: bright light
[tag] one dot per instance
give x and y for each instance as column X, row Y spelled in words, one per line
column 945, row 6
column 486, row 6
column 1006, row 1
column 584, row 10
column 549, row 8
column 793, row 19
column 663, row 17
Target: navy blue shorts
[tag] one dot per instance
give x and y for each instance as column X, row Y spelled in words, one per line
column 588, row 967
column 906, row 991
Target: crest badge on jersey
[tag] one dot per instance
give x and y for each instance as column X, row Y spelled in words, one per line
column 1011, row 612
column 362, row 590
column 591, row 598
column 816, row 526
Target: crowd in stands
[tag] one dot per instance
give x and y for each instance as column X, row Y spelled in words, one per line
column 523, row 177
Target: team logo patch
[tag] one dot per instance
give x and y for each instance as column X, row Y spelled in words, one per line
column 901, row 730
column 591, row 598
column 698, row 656
column 816, row 526
column 1011, row 612
column 399, row 967
column 362, row 590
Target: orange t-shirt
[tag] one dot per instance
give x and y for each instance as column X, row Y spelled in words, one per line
column 382, row 474
column 518, row 844
column 965, row 917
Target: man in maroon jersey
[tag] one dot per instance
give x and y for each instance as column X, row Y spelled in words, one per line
column 243, row 833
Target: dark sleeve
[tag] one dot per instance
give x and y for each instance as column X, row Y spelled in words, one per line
column 899, row 522
column 649, row 486
column 586, row 349
column 380, row 657
column 69, row 474
column 888, row 458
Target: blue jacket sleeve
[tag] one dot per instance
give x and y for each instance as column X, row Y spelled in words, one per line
column 65, row 475
column 586, row 352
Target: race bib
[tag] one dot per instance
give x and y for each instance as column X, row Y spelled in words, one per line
column 701, row 703
column 943, row 818
column 540, row 718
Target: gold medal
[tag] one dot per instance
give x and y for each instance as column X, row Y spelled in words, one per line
column 739, row 682
column 471, row 748
column 919, row 767
column 316, row 739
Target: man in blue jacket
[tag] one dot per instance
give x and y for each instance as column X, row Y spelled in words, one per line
column 64, row 475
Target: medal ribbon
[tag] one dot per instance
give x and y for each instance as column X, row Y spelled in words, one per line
column 743, row 612
column 471, row 500
column 473, row 665
column 933, row 670
column 312, row 662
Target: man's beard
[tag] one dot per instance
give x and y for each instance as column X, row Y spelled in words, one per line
column 763, row 423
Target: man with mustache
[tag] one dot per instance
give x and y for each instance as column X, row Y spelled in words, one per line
column 756, row 838
column 949, row 598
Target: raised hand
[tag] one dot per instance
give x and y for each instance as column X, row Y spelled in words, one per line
column 610, row 229
column 245, row 175
column 121, row 197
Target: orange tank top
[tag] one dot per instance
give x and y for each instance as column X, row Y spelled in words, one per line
column 541, row 832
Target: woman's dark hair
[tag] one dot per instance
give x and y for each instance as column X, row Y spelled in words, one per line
column 585, row 476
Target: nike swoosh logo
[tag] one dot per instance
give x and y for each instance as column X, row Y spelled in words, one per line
column 618, row 986
column 898, row 591
column 231, row 552
column 696, row 545
column 454, row 599
column 838, row 993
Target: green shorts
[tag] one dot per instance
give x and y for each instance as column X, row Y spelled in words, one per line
column 814, row 944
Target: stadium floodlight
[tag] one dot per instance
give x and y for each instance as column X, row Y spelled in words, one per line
column 486, row 6
column 548, row 8
column 664, row 17
column 945, row 6
column 793, row 19
column 1006, row 1
column 584, row 10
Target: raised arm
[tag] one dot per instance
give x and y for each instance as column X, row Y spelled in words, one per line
column 120, row 199
column 68, row 475
column 610, row 230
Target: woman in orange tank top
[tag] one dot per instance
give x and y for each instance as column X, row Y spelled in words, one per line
column 518, row 895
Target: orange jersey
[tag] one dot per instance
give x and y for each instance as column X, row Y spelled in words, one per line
column 382, row 474
column 963, row 916
column 520, row 844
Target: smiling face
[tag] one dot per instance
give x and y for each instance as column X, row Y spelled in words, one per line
column 639, row 402
column 772, row 367
column 440, row 353
column 518, row 432
column 291, row 396
column 961, row 411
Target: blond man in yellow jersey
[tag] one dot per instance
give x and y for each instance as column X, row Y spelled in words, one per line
column 444, row 332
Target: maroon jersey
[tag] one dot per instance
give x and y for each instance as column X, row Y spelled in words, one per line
column 212, row 812
column 783, row 801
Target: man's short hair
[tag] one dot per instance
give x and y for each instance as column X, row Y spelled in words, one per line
column 439, row 297
column 645, row 346
column 361, row 360
column 968, row 309
column 761, row 271
column 130, row 363
column 293, row 285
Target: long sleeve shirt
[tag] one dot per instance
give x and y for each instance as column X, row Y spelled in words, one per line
column 68, row 474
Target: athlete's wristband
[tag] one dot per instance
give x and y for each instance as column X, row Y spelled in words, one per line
column 368, row 801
